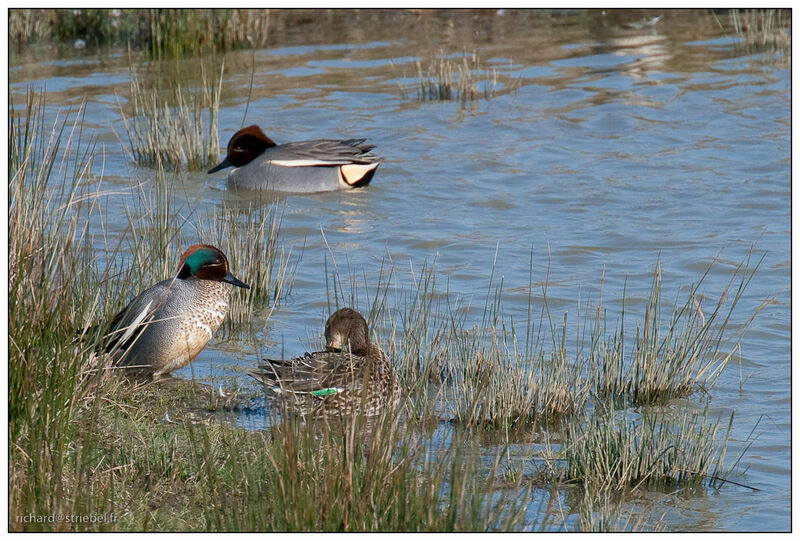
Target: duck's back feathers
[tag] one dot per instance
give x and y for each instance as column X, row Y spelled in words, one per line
column 306, row 374
column 321, row 152
column 331, row 382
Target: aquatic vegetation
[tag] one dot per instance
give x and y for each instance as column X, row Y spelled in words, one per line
column 608, row 456
column 62, row 278
column 182, row 32
column 177, row 470
column 491, row 373
column 28, row 25
column 463, row 79
column 161, row 33
column 177, row 128
column 252, row 234
column 50, row 379
column 761, row 29
column 684, row 358
column 607, row 511
column 480, row 378
column 611, row 450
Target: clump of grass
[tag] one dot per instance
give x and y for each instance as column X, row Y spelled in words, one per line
column 51, row 379
column 29, row 25
column 763, row 28
column 178, row 128
column 181, row 32
column 162, row 33
column 608, row 511
column 490, row 374
column 673, row 362
column 464, row 80
column 386, row 479
column 612, row 451
column 251, row 239
column 492, row 385
column 470, row 374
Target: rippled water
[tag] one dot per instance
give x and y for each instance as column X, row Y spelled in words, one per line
column 613, row 149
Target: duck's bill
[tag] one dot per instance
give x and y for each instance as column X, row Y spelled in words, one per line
column 231, row 279
column 221, row 165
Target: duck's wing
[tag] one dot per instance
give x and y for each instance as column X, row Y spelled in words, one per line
column 319, row 373
column 322, row 152
column 125, row 327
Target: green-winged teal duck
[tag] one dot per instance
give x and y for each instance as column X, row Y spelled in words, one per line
column 168, row 324
column 352, row 373
column 306, row 166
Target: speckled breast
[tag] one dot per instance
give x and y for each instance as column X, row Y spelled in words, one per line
column 196, row 326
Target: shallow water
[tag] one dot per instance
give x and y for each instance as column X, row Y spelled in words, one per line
column 617, row 148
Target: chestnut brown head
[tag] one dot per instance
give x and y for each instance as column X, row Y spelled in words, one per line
column 245, row 146
column 206, row 262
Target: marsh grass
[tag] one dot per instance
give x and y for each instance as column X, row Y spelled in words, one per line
column 161, row 33
column 486, row 376
column 50, row 379
column 94, row 26
column 59, row 285
column 352, row 474
column 389, row 478
column 608, row 511
column 613, row 451
column 675, row 359
column 181, row 32
column 462, row 79
column 267, row 266
column 28, row 26
column 763, row 29
column 178, row 127
column 479, row 372
column 490, row 373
